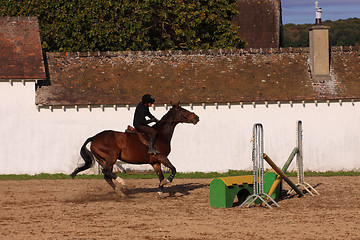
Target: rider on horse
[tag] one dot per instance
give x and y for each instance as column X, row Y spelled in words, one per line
column 141, row 124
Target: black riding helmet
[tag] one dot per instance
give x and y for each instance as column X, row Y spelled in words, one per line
column 147, row 98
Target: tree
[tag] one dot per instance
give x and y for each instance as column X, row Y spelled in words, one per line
column 342, row 33
column 118, row 25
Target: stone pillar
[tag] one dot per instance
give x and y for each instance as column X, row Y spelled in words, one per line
column 319, row 50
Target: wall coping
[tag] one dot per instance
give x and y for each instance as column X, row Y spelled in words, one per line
column 209, row 52
column 175, row 53
column 18, row 19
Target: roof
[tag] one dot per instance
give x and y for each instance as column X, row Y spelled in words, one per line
column 21, row 55
column 345, row 63
column 259, row 22
column 208, row 76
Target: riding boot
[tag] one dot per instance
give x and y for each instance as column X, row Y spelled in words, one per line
column 152, row 149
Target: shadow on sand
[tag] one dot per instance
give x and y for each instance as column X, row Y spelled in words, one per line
column 284, row 195
column 178, row 190
column 172, row 190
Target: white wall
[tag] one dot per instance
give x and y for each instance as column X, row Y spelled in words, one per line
column 48, row 141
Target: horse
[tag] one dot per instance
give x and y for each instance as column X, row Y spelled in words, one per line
column 108, row 146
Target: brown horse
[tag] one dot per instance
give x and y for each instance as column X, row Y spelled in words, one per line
column 108, row 146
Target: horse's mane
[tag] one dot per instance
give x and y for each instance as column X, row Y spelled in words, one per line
column 166, row 117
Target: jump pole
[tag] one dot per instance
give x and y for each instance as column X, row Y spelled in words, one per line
column 258, row 168
column 299, row 162
column 284, row 169
column 282, row 175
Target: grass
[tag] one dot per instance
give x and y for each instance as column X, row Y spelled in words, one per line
column 151, row 174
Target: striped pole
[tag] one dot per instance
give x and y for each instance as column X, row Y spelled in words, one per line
column 258, row 168
column 299, row 161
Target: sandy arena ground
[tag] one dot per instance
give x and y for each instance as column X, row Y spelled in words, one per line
column 88, row 209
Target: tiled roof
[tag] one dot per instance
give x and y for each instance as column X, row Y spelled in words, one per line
column 21, row 55
column 259, row 22
column 212, row 76
column 345, row 62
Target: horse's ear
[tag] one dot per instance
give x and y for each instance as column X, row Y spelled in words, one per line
column 171, row 103
column 178, row 103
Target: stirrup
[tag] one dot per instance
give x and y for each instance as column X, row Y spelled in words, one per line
column 153, row 151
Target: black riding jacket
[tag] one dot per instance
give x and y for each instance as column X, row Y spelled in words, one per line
column 141, row 112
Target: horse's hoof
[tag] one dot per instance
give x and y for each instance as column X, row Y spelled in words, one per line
column 120, row 193
column 160, row 195
column 164, row 182
column 124, row 190
column 121, row 181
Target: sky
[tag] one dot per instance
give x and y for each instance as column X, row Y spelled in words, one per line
column 303, row 11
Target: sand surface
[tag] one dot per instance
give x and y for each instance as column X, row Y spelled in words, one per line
column 89, row 209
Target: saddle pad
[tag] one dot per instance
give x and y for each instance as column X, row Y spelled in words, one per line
column 142, row 137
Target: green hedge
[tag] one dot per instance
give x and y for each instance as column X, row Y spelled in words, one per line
column 130, row 25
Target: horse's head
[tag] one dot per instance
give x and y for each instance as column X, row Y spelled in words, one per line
column 178, row 114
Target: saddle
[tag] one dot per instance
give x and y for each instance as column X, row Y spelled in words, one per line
column 144, row 138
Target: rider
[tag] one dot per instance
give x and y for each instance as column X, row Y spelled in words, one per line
column 140, row 122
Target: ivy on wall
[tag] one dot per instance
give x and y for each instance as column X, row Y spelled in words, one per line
column 122, row 25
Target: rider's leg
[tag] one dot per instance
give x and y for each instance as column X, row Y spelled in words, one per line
column 153, row 134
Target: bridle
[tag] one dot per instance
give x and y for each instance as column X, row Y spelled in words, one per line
column 183, row 117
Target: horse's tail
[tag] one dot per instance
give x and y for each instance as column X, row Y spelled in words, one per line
column 87, row 156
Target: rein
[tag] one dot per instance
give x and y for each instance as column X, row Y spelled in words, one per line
column 181, row 114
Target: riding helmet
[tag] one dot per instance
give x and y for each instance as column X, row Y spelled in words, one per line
column 147, row 98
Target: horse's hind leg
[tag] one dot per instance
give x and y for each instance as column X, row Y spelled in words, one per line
column 109, row 175
column 110, row 182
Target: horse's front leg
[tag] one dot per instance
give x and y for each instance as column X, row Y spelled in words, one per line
column 165, row 161
column 157, row 168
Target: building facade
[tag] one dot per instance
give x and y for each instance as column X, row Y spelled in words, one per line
column 45, row 120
